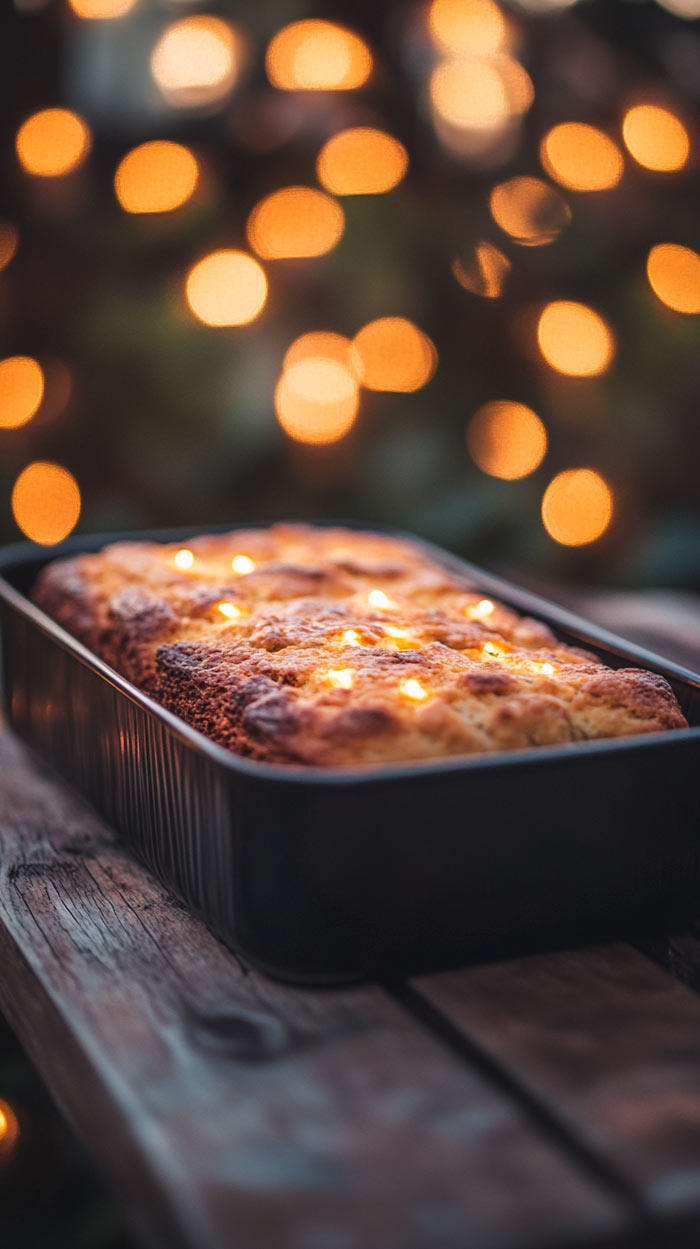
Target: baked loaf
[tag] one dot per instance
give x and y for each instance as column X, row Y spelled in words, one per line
column 328, row 647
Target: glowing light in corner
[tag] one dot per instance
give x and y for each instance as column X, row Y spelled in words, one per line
column 296, row 221
column 315, row 55
column 226, row 288
column 577, row 507
column 46, row 502
column 52, row 143
column 411, row 688
column 581, row 157
column 242, row 565
column 317, row 400
column 183, row 560
column 393, row 354
column 656, row 138
column 574, row 339
column 506, row 440
column 361, row 161
column 9, row 1127
column 674, row 276
column 21, row 390
column 532, row 212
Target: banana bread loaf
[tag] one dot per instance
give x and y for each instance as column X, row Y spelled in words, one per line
column 327, row 646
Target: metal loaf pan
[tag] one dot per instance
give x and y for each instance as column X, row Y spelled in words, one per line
column 320, row 876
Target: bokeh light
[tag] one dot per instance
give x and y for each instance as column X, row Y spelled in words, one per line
column 9, row 1128
column 9, row 242
column 315, row 55
column 506, row 439
column 196, row 61
column 674, row 276
column 227, row 287
column 577, row 507
column 656, row 138
column 52, row 142
column 297, row 221
column 46, row 502
column 574, row 339
column 470, row 94
column 21, row 390
column 467, row 27
column 581, row 157
column 532, row 212
column 324, row 344
column 484, row 272
column 156, row 177
column 361, row 161
column 101, row 9
column 317, row 400
column 392, row 354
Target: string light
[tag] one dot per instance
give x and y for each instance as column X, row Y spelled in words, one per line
column 315, row 55
column 656, row 138
column 242, row 565
column 506, row 440
column 52, row 143
column 46, row 502
column 156, row 177
column 574, row 339
column 392, row 354
column 377, row 598
column 226, row 287
column 196, row 61
column 296, row 221
column 361, row 161
column 532, row 212
column 350, row 637
column 9, row 1128
column 229, row 610
column 413, row 689
column 577, row 507
column 183, row 560
column 674, row 276
column 21, row 390
column 341, row 678
column 481, row 610
column 581, row 157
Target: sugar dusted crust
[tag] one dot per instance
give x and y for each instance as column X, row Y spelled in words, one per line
column 332, row 647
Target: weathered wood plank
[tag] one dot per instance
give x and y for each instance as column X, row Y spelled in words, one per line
column 229, row 1111
column 609, row 1043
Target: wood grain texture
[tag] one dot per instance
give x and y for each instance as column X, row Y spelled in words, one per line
column 232, row 1113
column 610, row 1043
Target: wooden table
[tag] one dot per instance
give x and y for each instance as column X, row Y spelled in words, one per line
column 543, row 1102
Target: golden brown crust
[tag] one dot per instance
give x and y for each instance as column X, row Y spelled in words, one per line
column 331, row 647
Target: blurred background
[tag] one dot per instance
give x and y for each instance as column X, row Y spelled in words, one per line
column 432, row 265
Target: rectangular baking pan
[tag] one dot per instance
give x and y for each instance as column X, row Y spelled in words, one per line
column 322, row 876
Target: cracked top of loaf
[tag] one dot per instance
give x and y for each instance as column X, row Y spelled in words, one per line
column 334, row 647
